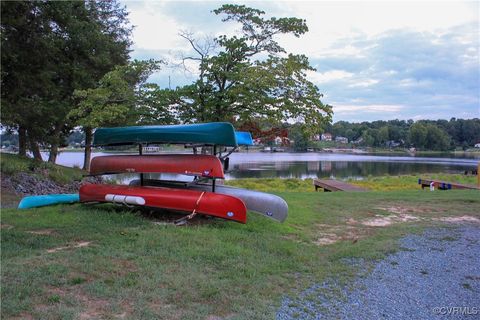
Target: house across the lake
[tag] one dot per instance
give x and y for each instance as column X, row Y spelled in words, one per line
column 326, row 136
column 341, row 139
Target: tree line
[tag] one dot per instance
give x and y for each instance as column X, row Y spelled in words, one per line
column 439, row 135
column 66, row 64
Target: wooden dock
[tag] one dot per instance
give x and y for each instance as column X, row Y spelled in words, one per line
column 335, row 185
column 443, row 185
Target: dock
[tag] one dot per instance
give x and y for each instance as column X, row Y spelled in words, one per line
column 443, row 185
column 335, row 185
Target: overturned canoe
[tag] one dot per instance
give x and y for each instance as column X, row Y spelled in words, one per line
column 244, row 138
column 47, row 200
column 203, row 202
column 266, row 204
column 188, row 164
column 214, row 133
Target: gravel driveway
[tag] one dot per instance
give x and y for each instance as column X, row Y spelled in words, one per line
column 435, row 276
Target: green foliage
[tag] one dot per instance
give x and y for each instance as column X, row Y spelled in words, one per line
column 250, row 75
column 49, row 50
column 428, row 136
column 300, row 137
column 439, row 135
column 116, row 99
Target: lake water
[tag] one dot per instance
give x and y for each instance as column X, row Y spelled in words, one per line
column 324, row 165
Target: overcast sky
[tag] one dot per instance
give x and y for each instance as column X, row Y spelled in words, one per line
column 374, row 60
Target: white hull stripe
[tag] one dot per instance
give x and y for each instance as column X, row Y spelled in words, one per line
column 117, row 198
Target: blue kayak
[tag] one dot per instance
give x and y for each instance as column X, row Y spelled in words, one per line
column 244, row 138
column 47, row 200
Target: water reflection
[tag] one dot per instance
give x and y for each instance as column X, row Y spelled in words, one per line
column 307, row 165
column 337, row 169
column 312, row 165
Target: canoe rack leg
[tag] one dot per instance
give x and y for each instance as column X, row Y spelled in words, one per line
column 140, row 152
column 184, row 220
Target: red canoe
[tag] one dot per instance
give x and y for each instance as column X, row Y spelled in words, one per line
column 207, row 203
column 188, row 164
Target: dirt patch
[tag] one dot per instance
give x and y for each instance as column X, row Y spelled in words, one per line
column 327, row 239
column 44, row 232
column 128, row 310
column 397, row 209
column 330, row 234
column 94, row 308
column 458, row 219
column 72, row 246
column 5, row 226
column 160, row 307
column 123, row 267
column 405, row 209
column 214, row 317
column 382, row 221
column 23, row 316
column 292, row 237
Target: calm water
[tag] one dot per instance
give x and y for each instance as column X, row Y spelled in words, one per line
column 312, row 165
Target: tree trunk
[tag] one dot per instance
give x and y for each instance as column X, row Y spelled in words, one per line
column 35, row 149
column 52, row 157
column 22, row 141
column 88, row 148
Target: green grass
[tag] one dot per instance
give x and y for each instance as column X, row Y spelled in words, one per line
column 409, row 182
column 383, row 183
column 11, row 164
column 274, row 184
column 141, row 270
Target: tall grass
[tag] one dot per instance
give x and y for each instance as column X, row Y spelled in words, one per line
column 12, row 164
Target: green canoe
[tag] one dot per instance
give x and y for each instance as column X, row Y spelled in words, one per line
column 214, row 133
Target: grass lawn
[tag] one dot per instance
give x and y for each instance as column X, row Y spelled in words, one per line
column 111, row 262
column 382, row 183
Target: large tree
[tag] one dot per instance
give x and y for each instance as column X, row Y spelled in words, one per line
column 49, row 50
column 122, row 97
column 251, row 75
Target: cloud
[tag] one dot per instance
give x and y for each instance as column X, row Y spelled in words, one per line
column 418, row 70
column 374, row 60
column 350, row 109
column 329, row 76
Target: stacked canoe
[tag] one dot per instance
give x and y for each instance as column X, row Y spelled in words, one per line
column 201, row 195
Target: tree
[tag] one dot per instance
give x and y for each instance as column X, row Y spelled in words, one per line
column 436, row 138
column 418, row 135
column 50, row 49
column 25, row 59
column 300, row 137
column 250, row 75
column 121, row 98
column 383, row 135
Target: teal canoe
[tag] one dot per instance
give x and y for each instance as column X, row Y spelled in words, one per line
column 214, row 133
column 47, row 200
column 244, row 138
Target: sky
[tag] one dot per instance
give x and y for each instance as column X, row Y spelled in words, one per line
column 374, row 60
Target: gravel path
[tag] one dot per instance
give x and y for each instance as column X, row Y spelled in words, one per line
column 434, row 273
